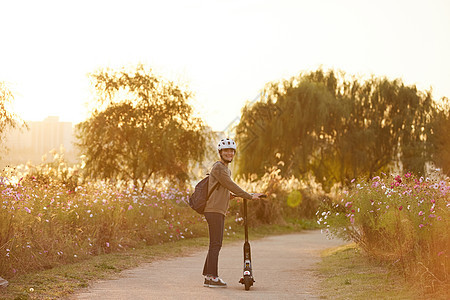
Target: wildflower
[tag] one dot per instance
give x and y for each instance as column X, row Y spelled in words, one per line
column 107, row 244
column 27, row 210
column 400, row 208
column 130, row 207
column 420, row 213
column 432, row 216
column 442, row 183
column 440, row 253
column 421, row 225
column 407, row 175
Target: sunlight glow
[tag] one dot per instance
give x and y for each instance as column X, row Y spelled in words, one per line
column 225, row 51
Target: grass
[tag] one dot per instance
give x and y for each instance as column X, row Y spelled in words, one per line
column 347, row 273
column 64, row 280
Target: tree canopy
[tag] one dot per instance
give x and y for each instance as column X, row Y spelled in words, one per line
column 441, row 138
column 7, row 118
column 143, row 126
column 336, row 128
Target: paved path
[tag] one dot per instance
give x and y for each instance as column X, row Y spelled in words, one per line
column 283, row 269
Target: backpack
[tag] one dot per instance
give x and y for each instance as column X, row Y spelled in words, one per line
column 197, row 201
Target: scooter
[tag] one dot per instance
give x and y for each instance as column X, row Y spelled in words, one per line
column 247, row 279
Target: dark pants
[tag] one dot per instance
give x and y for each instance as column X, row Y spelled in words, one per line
column 215, row 226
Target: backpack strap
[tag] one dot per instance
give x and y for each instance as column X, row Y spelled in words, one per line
column 213, row 188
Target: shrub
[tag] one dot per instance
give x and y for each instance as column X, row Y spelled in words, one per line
column 403, row 219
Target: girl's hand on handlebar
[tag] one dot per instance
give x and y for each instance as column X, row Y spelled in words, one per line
column 256, row 196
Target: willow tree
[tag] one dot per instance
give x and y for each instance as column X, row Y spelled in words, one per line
column 441, row 155
column 7, row 118
column 336, row 128
column 143, row 126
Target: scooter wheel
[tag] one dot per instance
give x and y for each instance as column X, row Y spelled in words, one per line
column 248, row 282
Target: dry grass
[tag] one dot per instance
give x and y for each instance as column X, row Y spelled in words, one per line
column 347, row 273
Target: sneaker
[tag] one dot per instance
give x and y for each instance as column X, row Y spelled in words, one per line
column 217, row 282
column 206, row 283
column 3, row 282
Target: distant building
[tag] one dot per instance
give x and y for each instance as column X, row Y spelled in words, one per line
column 32, row 144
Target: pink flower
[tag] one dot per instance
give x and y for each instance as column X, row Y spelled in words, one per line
column 420, row 213
column 433, row 201
column 107, row 244
column 130, row 207
column 400, row 208
column 407, row 175
column 27, row 210
column 440, row 253
column 421, row 225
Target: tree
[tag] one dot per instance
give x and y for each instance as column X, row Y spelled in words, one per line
column 441, row 138
column 336, row 128
column 143, row 126
column 7, row 118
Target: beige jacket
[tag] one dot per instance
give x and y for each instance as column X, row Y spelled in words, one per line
column 220, row 198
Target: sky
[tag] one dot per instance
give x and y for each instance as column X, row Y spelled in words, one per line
column 224, row 51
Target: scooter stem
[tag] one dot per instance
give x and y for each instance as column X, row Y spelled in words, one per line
column 245, row 220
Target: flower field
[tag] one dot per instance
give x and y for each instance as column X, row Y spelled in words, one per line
column 43, row 224
column 400, row 219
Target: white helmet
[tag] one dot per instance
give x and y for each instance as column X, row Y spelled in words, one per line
column 226, row 144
